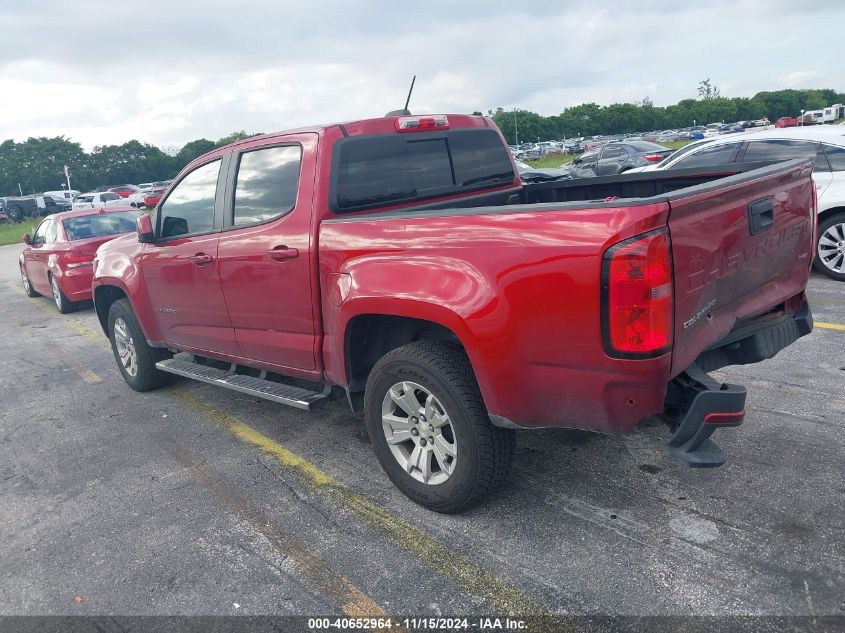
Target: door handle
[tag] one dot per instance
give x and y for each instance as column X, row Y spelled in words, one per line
column 201, row 259
column 761, row 216
column 281, row 253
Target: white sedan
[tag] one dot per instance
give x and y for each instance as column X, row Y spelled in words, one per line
column 137, row 199
column 97, row 200
column 825, row 143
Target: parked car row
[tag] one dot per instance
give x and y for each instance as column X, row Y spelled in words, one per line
column 716, row 148
column 534, row 151
column 825, row 144
column 19, row 208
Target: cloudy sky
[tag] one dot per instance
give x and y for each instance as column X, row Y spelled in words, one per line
column 166, row 72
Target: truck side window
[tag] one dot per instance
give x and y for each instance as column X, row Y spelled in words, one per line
column 266, row 184
column 189, row 209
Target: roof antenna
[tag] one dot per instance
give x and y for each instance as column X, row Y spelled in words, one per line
column 404, row 111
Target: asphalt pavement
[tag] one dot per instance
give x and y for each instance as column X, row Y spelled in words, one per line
column 193, row 500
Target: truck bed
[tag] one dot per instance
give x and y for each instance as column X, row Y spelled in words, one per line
column 516, row 275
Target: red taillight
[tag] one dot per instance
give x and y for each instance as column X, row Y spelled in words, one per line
column 654, row 158
column 75, row 260
column 638, row 295
column 421, row 123
column 733, row 418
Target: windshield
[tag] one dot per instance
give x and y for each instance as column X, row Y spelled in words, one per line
column 100, row 224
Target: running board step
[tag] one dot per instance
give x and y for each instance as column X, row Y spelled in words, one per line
column 258, row 387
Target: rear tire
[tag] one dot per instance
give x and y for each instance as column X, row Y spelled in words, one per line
column 438, row 377
column 15, row 214
column 830, row 249
column 136, row 360
column 64, row 304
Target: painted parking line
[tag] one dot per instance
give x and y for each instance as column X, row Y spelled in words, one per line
column 829, row 326
column 89, row 376
column 470, row 577
column 352, row 600
column 474, row 580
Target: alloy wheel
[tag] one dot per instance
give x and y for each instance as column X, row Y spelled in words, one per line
column 831, row 247
column 57, row 293
column 125, row 347
column 25, row 282
column 419, row 432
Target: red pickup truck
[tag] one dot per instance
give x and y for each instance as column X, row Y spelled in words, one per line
column 402, row 260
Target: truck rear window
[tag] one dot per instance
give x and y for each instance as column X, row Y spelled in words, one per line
column 374, row 171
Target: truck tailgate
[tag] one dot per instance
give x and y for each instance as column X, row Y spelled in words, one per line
column 740, row 246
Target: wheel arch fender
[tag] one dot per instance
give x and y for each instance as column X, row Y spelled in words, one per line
column 107, row 290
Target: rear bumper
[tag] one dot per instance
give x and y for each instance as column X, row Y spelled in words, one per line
column 615, row 402
column 76, row 283
column 760, row 340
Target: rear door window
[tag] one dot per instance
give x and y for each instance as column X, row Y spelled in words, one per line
column 612, row 152
column 373, row 171
column 835, row 156
column 777, row 150
column 266, row 184
column 722, row 154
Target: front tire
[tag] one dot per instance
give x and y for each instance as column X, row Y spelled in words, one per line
column 830, row 249
column 136, row 360
column 429, row 428
column 64, row 304
column 27, row 286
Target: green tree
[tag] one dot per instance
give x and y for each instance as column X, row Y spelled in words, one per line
column 193, row 150
column 706, row 90
column 234, row 137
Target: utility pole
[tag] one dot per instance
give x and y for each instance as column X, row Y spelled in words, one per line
column 515, row 128
column 67, row 177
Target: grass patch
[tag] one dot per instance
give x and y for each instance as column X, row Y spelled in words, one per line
column 551, row 161
column 12, row 232
column 675, row 144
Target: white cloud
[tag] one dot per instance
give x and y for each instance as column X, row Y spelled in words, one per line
column 800, row 79
column 207, row 70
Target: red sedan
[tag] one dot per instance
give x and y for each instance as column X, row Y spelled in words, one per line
column 153, row 197
column 58, row 258
column 124, row 191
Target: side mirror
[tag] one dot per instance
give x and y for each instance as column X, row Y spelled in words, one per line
column 27, row 240
column 144, row 227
